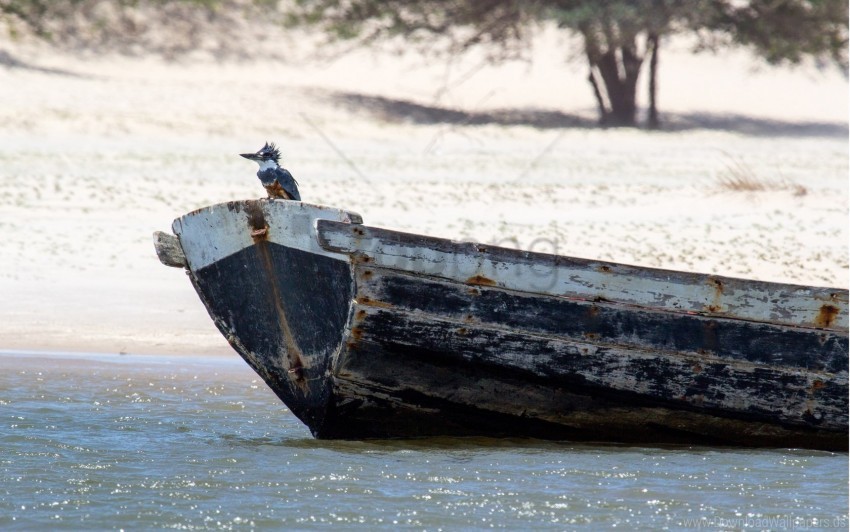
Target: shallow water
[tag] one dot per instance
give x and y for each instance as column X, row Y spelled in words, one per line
column 110, row 442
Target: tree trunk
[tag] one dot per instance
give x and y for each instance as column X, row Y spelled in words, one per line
column 652, row 41
column 618, row 68
column 600, row 101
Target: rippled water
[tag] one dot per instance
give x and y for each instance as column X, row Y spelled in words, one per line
column 109, row 441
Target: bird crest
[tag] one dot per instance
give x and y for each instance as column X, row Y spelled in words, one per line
column 269, row 151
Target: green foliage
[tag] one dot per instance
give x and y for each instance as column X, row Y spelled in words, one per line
column 777, row 30
column 501, row 25
column 618, row 35
column 167, row 27
column 780, row 31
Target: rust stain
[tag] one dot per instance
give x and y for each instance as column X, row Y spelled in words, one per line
column 358, row 231
column 368, row 301
column 474, row 292
column 481, row 280
column 357, row 333
column 716, row 301
column 709, row 334
column 817, row 385
column 697, row 368
column 463, row 331
column 604, row 269
column 256, row 218
column 826, row 316
column 469, row 318
column 593, row 311
column 361, row 314
column 257, row 221
column 367, row 274
column 592, row 336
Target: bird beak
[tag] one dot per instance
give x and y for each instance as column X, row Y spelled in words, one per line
column 250, row 156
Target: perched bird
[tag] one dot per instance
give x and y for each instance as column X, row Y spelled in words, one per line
column 278, row 181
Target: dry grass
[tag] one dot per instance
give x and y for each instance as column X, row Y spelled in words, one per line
column 739, row 177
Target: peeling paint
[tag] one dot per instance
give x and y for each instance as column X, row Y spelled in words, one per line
column 440, row 337
column 570, row 277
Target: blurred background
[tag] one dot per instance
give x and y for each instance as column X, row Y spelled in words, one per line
column 703, row 136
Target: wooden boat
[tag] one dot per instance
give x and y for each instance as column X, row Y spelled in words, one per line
column 370, row 333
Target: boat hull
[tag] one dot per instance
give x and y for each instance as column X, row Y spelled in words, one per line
column 370, row 333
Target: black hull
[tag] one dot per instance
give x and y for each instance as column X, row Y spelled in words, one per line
column 285, row 329
column 360, row 348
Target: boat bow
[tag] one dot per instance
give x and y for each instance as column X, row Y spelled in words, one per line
column 281, row 301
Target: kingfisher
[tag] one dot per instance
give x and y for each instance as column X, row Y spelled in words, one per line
column 278, row 181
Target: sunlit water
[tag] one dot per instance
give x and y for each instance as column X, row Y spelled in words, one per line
column 110, row 442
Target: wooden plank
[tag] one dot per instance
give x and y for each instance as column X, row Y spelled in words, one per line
column 441, row 402
column 476, row 264
column 168, row 250
column 685, row 382
column 604, row 323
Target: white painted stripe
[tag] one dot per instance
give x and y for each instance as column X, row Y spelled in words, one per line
column 645, row 287
column 218, row 231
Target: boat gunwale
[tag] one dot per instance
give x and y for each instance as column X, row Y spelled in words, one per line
column 367, row 245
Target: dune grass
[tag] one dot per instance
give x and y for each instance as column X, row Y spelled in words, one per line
column 738, row 176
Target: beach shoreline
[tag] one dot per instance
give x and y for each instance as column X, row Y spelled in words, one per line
column 97, row 153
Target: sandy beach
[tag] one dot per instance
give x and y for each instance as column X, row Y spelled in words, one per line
column 97, row 153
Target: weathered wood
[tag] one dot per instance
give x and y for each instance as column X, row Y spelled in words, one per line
column 218, row 231
column 540, row 273
column 366, row 332
column 603, row 323
column 410, row 392
column 372, row 411
column 280, row 300
column 168, row 250
column 287, row 329
column 677, row 380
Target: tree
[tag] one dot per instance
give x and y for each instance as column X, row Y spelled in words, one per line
column 618, row 35
column 780, row 31
column 170, row 28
